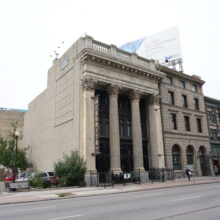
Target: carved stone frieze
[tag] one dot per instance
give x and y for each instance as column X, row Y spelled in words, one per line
column 89, row 84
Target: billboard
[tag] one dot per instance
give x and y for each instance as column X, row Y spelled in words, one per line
column 163, row 46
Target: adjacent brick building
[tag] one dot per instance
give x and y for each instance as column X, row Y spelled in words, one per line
column 213, row 116
column 7, row 116
column 185, row 130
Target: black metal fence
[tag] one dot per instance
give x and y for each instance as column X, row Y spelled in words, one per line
column 110, row 178
column 161, row 174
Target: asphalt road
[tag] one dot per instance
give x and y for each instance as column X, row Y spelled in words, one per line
column 189, row 202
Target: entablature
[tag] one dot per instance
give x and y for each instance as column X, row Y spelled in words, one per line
column 122, row 66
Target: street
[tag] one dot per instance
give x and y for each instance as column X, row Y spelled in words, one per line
column 189, row 202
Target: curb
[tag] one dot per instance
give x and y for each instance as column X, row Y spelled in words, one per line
column 109, row 193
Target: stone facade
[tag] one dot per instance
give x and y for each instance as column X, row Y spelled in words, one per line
column 213, row 116
column 191, row 130
column 129, row 136
column 61, row 118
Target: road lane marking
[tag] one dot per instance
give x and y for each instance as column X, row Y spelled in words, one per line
column 187, row 213
column 26, row 210
column 192, row 197
column 65, row 217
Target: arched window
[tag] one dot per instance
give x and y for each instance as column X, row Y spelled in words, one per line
column 204, row 161
column 176, row 157
column 190, row 155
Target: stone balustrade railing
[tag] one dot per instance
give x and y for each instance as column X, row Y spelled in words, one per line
column 100, row 46
column 116, row 52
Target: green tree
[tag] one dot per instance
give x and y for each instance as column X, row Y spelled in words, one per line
column 7, row 152
column 71, row 170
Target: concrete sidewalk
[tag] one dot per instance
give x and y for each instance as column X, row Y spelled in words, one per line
column 71, row 192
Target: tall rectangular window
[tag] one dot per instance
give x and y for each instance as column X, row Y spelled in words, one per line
column 121, row 127
column 171, row 97
column 199, row 125
column 169, row 80
column 182, row 84
column 173, row 121
column 128, row 128
column 212, row 116
column 184, row 101
column 213, row 134
column 187, row 123
column 218, row 118
column 194, row 87
column 196, row 103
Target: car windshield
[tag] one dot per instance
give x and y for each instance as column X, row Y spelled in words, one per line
column 50, row 173
column 22, row 175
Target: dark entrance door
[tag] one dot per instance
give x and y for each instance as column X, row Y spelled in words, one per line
column 145, row 154
column 204, row 162
column 126, row 157
column 103, row 159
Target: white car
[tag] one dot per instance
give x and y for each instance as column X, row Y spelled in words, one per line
column 23, row 177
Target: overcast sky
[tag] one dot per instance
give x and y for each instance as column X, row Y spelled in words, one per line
column 32, row 29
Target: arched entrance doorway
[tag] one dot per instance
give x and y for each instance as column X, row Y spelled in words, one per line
column 176, row 156
column 204, row 161
column 190, row 157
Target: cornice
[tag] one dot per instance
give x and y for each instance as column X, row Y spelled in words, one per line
column 178, row 74
column 213, row 100
column 184, row 134
column 122, row 66
column 182, row 109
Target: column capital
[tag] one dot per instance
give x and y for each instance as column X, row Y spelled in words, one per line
column 154, row 98
column 135, row 94
column 113, row 89
column 89, row 84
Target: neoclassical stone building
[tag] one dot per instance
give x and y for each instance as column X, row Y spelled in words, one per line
column 105, row 103
column 185, row 130
column 125, row 128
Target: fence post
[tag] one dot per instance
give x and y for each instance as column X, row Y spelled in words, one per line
column 163, row 177
column 104, row 179
column 97, row 177
column 139, row 176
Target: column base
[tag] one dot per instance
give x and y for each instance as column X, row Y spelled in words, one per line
column 142, row 174
column 91, row 178
column 116, row 171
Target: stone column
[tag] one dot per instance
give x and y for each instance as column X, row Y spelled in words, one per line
column 136, row 131
column 156, row 136
column 115, row 160
column 88, row 150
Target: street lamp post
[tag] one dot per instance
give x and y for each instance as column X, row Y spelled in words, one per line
column 15, row 154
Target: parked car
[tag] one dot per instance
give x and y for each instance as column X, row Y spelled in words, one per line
column 23, row 177
column 9, row 177
column 47, row 175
